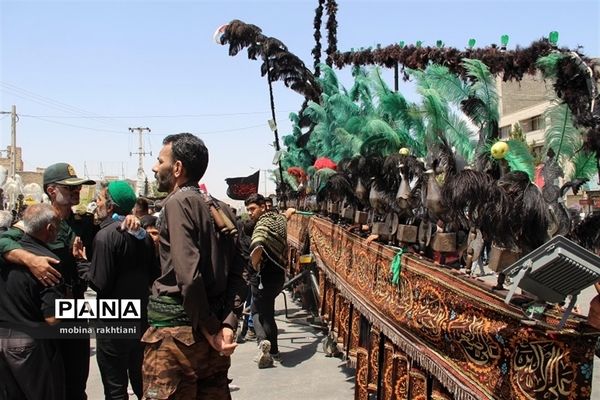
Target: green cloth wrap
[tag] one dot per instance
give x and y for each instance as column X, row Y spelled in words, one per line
column 396, row 267
column 166, row 311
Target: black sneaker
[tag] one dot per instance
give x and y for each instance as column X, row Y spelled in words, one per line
column 276, row 357
column 240, row 338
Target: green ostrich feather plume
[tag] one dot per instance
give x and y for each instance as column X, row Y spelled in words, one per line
column 361, row 90
column 435, row 112
column 290, row 180
column 549, row 64
column 382, row 139
column 459, row 135
column 443, row 123
column 400, row 115
column 561, row 135
column 584, row 166
column 483, row 88
column 341, row 108
column 329, row 81
column 447, row 84
column 519, row 157
column 348, row 145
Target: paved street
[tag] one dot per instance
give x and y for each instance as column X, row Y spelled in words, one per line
column 305, row 372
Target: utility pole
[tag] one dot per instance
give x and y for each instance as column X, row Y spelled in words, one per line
column 266, row 171
column 141, row 175
column 13, row 141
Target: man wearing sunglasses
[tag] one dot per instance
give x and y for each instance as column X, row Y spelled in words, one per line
column 62, row 186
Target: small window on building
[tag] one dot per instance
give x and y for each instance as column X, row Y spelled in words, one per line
column 533, row 124
column 537, row 122
column 505, row 131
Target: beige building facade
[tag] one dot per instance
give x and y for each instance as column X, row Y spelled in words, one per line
column 524, row 103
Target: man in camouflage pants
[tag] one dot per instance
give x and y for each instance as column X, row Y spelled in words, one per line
column 195, row 302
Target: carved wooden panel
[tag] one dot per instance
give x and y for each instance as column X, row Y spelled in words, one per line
column 362, row 371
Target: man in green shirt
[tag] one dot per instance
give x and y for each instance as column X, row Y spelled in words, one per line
column 62, row 186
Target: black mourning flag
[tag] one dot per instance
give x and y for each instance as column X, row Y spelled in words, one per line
column 241, row 188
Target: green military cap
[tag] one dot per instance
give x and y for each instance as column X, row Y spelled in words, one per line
column 64, row 174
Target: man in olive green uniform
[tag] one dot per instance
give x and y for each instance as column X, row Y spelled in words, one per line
column 62, row 186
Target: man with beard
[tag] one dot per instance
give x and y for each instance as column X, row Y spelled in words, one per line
column 195, row 302
column 120, row 269
column 62, row 186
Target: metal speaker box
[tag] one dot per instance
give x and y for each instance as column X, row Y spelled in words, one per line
column 348, row 213
column 360, row 217
column 502, row 257
column 382, row 229
column 444, row 242
column 407, row 233
column 333, row 207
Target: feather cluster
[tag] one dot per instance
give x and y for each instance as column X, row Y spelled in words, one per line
column 279, row 64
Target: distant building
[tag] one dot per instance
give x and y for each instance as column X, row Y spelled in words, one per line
column 5, row 161
column 26, row 176
column 525, row 102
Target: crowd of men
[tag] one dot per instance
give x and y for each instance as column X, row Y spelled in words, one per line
column 190, row 274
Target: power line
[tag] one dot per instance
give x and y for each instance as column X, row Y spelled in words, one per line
column 78, row 126
column 47, row 101
column 52, row 103
column 231, row 130
column 153, row 134
column 157, row 116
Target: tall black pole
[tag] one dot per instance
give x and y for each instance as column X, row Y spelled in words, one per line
column 277, row 147
column 396, row 77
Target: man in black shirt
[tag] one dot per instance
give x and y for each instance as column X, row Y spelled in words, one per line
column 30, row 368
column 120, row 268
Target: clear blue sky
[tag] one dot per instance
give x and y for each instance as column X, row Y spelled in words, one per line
column 154, row 64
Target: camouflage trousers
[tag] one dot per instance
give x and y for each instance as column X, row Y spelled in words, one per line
column 177, row 366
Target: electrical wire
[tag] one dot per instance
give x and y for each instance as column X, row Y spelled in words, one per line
column 81, row 113
column 153, row 134
column 49, row 102
column 160, row 116
column 80, row 127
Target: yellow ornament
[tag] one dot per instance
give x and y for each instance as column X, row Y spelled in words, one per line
column 499, row 150
column 404, row 151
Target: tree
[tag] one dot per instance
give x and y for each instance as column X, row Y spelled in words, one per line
column 516, row 133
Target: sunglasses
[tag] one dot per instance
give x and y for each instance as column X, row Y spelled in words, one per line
column 72, row 188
